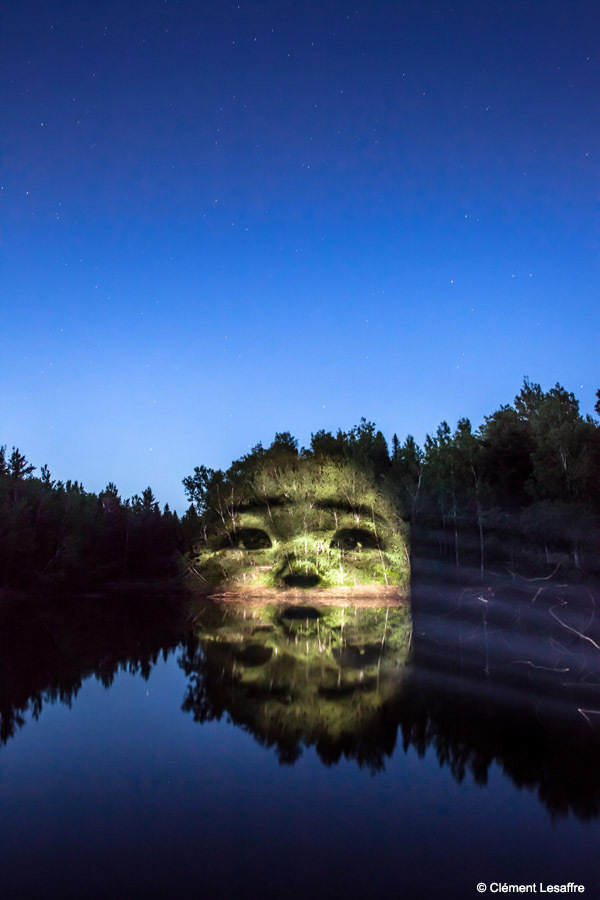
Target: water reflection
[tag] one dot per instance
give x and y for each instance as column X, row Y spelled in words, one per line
column 472, row 726
column 301, row 675
column 48, row 650
column 505, row 673
column 513, row 633
column 508, row 672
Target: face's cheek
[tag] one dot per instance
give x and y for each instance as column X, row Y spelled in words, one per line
column 282, row 556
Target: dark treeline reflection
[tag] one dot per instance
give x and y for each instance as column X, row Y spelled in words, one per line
column 528, row 701
column 48, row 651
column 506, row 673
column 470, row 727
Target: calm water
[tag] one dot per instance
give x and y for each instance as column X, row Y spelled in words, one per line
column 303, row 752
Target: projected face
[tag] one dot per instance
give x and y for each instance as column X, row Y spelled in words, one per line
column 310, row 525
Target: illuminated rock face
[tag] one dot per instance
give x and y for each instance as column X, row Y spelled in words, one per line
column 307, row 525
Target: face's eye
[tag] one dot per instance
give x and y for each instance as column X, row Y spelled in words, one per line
column 354, row 539
column 250, row 539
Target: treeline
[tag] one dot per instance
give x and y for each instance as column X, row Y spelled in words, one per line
column 55, row 533
column 522, row 489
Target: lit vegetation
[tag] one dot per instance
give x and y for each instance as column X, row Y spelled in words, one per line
column 291, row 521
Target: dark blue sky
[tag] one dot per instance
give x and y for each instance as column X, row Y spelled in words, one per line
column 221, row 220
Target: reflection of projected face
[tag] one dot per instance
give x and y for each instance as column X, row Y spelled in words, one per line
column 304, row 536
column 296, row 675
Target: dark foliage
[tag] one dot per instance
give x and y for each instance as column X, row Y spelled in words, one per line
column 57, row 535
column 523, row 489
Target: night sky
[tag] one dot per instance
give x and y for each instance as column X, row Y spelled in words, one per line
column 225, row 219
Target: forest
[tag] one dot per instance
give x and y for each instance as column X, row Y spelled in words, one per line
column 57, row 535
column 521, row 491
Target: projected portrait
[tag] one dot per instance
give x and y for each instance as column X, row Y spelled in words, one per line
column 307, row 524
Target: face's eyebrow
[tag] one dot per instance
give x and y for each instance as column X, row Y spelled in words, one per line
column 333, row 504
column 344, row 506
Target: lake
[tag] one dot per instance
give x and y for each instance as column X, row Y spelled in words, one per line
column 151, row 749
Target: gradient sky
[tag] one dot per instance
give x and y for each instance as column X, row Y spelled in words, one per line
column 225, row 219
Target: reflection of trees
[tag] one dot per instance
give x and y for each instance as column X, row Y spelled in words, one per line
column 469, row 729
column 301, row 676
column 533, row 634
column 47, row 654
column 346, row 690
column 485, row 686
column 507, row 673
